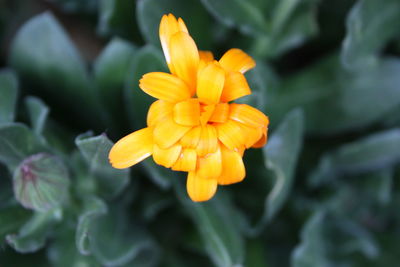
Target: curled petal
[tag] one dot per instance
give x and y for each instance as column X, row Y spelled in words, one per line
column 221, row 113
column 263, row 139
column 187, row 112
column 169, row 26
column 158, row 111
column 233, row 169
column 237, row 60
column 186, row 161
column 167, row 132
column 206, row 113
column 132, row 149
column 164, row 86
column 206, row 56
column 208, row 142
column 210, row 83
column 248, row 115
column 191, row 138
column 252, row 135
column 200, row 189
column 166, row 157
column 184, row 58
column 235, row 87
column 210, row 166
column 231, row 134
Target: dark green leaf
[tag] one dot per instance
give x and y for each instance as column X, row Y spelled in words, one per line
column 158, row 174
column 147, row 59
column 281, row 155
column 370, row 25
column 238, row 13
column 93, row 208
column 374, row 152
column 16, row 143
column 38, row 112
column 8, row 92
column 149, row 13
column 95, row 150
column 344, row 97
column 53, row 64
column 41, row 182
column 32, row 236
column 12, row 218
column 115, row 241
column 215, row 222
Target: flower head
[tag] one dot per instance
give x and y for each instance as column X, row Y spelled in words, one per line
column 193, row 126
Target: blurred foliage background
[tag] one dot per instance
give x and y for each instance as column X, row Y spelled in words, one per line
column 324, row 191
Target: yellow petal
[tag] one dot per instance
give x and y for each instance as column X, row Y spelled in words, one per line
column 231, row 134
column 233, row 169
column 208, row 142
column 200, row 189
column 159, row 110
column 166, row 157
column 210, row 83
column 206, row 113
column 186, row 161
column 206, row 56
column 167, row 132
column 164, row 86
column 209, row 166
column 132, row 149
column 235, row 87
column 168, row 27
column 263, row 140
column 248, row 115
column 191, row 138
column 221, row 113
column 184, row 58
column 187, row 112
column 252, row 135
column 237, row 60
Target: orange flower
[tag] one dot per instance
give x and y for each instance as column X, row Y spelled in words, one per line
column 192, row 127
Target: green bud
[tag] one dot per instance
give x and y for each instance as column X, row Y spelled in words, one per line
column 41, row 182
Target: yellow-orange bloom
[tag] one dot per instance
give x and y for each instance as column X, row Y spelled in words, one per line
column 192, row 127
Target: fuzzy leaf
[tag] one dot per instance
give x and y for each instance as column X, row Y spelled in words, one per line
column 95, row 150
column 38, row 112
column 370, row 25
column 93, row 208
column 116, row 246
column 374, row 152
column 32, row 236
column 16, row 143
column 8, row 93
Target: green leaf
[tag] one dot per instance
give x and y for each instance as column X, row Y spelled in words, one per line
column 370, row 25
column 110, row 70
column 115, row 240
column 16, row 143
column 147, row 59
column 12, row 218
column 345, row 97
column 215, row 222
column 238, row 13
column 41, row 182
column 116, row 18
column 95, row 151
column 32, row 236
column 377, row 151
column 93, row 208
column 8, row 92
column 149, row 13
column 38, row 112
column 281, row 155
column 54, row 65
